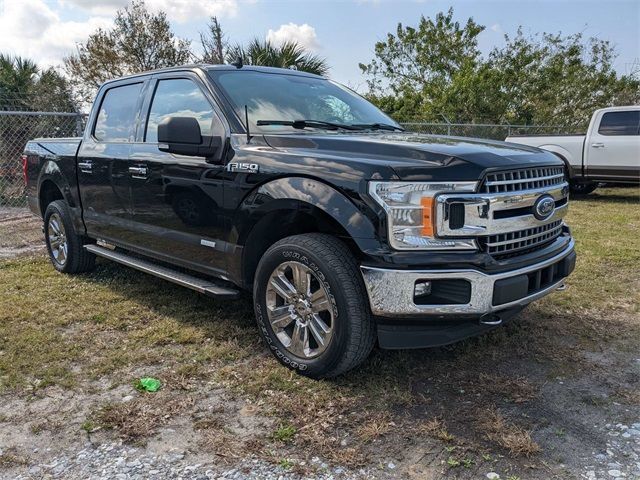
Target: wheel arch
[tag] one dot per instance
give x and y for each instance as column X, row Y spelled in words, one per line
column 52, row 179
column 48, row 192
column 293, row 206
column 566, row 157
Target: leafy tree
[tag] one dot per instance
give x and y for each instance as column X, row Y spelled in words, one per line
column 139, row 41
column 24, row 87
column 554, row 79
column 288, row 55
column 213, row 43
column 436, row 70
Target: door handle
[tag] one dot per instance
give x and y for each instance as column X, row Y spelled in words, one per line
column 85, row 167
column 138, row 172
column 597, row 145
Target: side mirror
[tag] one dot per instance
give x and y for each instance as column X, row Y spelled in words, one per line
column 181, row 135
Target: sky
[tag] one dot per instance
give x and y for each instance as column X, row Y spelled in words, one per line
column 342, row 31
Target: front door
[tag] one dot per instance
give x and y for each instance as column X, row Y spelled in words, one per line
column 103, row 164
column 177, row 200
column 613, row 150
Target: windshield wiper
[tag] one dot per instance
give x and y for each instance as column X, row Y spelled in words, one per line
column 300, row 124
column 378, row 126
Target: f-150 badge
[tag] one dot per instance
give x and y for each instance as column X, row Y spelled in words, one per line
column 242, row 167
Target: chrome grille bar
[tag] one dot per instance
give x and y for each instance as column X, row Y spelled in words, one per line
column 515, row 243
column 501, row 216
column 523, row 179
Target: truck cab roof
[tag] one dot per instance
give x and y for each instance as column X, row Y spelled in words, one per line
column 205, row 67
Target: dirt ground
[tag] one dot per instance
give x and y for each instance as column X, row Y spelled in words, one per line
column 554, row 394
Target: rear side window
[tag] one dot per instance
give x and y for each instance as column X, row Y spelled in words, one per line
column 178, row 97
column 620, row 123
column 117, row 116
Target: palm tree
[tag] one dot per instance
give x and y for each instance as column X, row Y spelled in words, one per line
column 287, row 55
column 17, row 78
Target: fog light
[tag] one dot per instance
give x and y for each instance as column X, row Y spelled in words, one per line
column 422, row 289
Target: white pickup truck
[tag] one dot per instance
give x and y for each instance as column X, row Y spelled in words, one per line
column 609, row 152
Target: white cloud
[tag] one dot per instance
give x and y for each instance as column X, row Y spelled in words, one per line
column 30, row 28
column 496, row 28
column 179, row 11
column 304, row 34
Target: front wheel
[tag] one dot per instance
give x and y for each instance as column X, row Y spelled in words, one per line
column 311, row 306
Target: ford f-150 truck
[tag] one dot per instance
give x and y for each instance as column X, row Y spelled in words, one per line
column 346, row 229
column 609, row 151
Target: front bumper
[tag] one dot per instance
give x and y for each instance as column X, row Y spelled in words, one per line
column 391, row 292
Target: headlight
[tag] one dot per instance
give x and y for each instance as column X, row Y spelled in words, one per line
column 410, row 213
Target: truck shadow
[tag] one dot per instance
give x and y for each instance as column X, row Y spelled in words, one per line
column 606, row 198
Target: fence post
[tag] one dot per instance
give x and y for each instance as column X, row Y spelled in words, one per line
column 448, row 124
column 79, row 128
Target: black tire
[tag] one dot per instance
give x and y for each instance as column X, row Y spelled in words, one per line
column 76, row 258
column 353, row 329
column 582, row 188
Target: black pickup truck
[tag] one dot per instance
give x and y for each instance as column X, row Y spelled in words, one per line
column 347, row 230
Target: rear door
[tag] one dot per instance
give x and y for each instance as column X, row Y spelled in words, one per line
column 613, row 149
column 177, row 199
column 103, row 162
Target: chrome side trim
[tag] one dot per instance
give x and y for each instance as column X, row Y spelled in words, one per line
column 480, row 208
column 391, row 291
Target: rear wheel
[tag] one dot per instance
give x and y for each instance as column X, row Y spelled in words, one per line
column 582, row 188
column 311, row 306
column 65, row 247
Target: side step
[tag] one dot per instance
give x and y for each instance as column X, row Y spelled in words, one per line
column 198, row 284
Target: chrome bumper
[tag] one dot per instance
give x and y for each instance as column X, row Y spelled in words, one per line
column 391, row 292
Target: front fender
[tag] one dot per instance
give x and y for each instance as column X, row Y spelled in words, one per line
column 306, row 193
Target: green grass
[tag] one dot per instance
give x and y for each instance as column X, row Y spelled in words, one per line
column 111, row 326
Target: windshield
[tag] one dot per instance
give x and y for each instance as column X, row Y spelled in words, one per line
column 285, row 97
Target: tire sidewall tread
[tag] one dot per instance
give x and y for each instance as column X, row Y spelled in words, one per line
column 78, row 259
column 334, row 265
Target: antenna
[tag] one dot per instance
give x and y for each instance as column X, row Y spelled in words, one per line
column 246, row 119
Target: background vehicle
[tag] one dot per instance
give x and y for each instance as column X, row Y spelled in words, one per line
column 609, row 152
column 346, row 229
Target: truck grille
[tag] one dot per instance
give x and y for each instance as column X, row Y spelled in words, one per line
column 517, row 243
column 522, row 179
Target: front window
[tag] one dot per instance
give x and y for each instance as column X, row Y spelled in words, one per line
column 270, row 96
column 178, row 97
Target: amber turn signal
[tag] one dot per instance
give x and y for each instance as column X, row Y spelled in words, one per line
column 427, row 216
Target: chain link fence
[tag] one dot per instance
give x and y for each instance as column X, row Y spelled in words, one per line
column 494, row 131
column 18, row 127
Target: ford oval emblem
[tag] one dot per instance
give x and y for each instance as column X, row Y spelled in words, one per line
column 544, row 207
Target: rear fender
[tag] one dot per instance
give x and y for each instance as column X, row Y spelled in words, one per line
column 573, row 165
column 51, row 172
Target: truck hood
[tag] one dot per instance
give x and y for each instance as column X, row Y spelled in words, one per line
column 417, row 156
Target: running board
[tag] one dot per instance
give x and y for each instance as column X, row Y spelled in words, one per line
column 198, row 284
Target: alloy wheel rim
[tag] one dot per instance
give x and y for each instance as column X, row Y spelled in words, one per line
column 57, row 239
column 300, row 310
